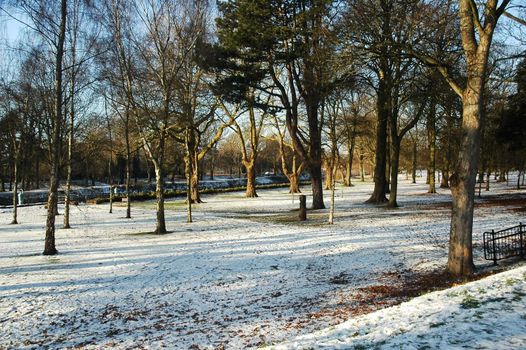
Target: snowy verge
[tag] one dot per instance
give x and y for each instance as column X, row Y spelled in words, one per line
column 489, row 313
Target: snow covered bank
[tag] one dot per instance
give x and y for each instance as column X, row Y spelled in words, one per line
column 485, row 314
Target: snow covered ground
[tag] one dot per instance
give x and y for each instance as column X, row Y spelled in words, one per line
column 486, row 314
column 246, row 274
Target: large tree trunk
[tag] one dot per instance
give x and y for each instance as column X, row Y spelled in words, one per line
column 317, row 187
column 463, row 180
column 251, row 179
column 293, row 183
column 380, row 181
column 316, row 177
column 49, row 244
column 159, row 195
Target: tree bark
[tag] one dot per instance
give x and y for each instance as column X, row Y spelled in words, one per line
column 317, row 187
column 444, row 182
column 189, row 173
column 383, row 110
column 348, row 172
column 463, row 180
column 329, row 174
column 431, row 141
column 293, row 183
column 159, row 195
column 67, row 199
column 15, row 190
column 362, row 167
column 251, row 179
column 333, row 189
column 128, row 164
column 395, row 161
column 49, row 244
column 413, row 162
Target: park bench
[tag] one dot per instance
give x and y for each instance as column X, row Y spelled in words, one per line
column 505, row 243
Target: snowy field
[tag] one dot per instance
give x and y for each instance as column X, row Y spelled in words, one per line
column 247, row 274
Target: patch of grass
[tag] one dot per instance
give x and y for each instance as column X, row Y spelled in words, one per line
column 511, row 282
column 469, row 302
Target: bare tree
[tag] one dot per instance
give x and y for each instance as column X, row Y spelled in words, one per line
column 477, row 26
column 249, row 139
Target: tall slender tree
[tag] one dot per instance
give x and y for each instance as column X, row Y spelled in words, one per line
column 478, row 21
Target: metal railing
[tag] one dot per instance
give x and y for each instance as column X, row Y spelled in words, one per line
column 505, row 243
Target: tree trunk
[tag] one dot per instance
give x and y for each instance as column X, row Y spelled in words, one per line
column 431, row 141
column 251, row 179
column 444, row 182
column 347, row 179
column 502, row 175
column 362, row 168
column 196, row 176
column 380, row 181
column 67, row 199
column 317, row 187
column 15, row 191
column 333, row 189
column 395, row 161
column 49, row 244
column 148, row 171
column 128, row 168
column 460, row 260
column 328, row 174
column 388, row 169
column 293, row 183
column 189, row 176
column 413, row 162
column 348, row 172
column 194, row 187
column 159, row 195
